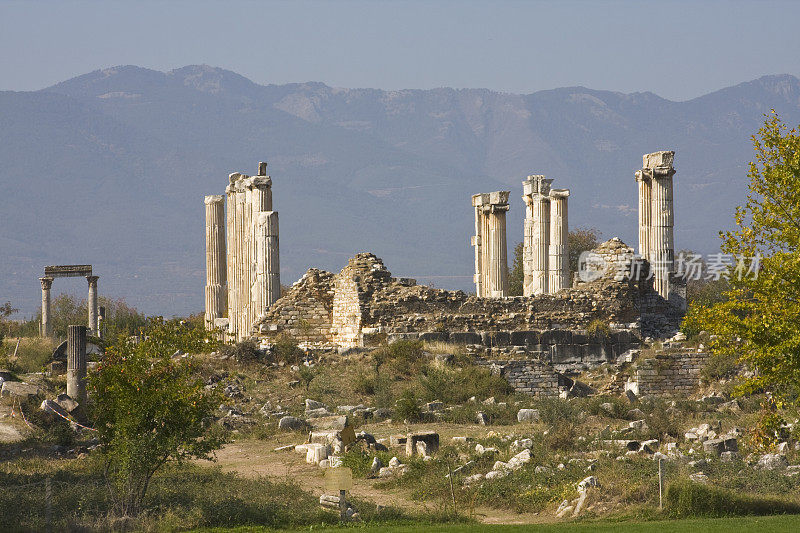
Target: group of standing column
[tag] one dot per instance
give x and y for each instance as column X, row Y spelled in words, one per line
column 545, row 252
column 491, row 257
column 245, row 270
column 92, row 302
column 656, row 217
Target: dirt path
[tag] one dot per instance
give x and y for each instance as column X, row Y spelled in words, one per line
column 255, row 458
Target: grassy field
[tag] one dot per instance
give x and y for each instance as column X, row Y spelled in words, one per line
column 765, row 524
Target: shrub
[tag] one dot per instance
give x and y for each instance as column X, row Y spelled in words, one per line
column 458, row 385
column 34, row 353
column 688, row 499
column 246, row 351
column 364, row 384
column 719, row 366
column 405, row 356
column 598, row 329
column 150, row 409
column 285, row 349
column 406, row 408
column 306, row 375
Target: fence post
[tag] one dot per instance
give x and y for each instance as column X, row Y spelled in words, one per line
column 660, row 484
column 48, row 504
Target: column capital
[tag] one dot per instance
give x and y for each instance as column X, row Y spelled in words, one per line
column 214, row 198
column 92, row 280
column 558, row 193
column 46, row 283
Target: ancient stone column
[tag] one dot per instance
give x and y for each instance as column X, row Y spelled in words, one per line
column 47, row 327
column 477, row 241
column 536, row 189
column 76, row 363
column 230, row 252
column 91, row 304
column 662, row 248
column 643, row 180
column 267, row 284
column 558, row 261
column 216, row 274
column 498, row 261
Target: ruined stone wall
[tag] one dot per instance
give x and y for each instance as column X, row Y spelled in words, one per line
column 346, row 319
column 528, row 376
column 669, row 374
column 305, row 311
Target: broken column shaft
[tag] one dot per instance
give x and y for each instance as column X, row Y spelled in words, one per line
column 92, row 305
column 47, row 327
column 76, row 363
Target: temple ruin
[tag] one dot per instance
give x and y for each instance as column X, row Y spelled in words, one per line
column 242, row 254
column 545, row 251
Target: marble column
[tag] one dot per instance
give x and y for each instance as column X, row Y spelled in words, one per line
column 47, row 327
column 76, row 363
column 267, row 284
column 230, row 252
column 478, row 202
column 91, row 304
column 558, row 260
column 659, row 167
column 216, row 274
column 536, row 189
column 643, row 181
column 497, row 244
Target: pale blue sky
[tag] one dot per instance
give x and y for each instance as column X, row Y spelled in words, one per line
column 678, row 49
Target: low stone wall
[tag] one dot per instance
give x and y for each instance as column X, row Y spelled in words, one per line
column 305, row 311
column 669, row 374
column 528, row 376
column 562, row 348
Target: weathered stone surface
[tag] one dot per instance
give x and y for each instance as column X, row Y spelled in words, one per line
column 528, row 415
column 291, row 422
column 20, row 389
column 430, row 438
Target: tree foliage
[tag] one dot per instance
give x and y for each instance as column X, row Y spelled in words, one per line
column 759, row 321
column 579, row 240
column 150, row 408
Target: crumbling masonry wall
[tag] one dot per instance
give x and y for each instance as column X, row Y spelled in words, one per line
column 669, row 374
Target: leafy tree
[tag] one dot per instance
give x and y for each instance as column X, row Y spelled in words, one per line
column 150, row 408
column 579, row 240
column 759, row 322
column 516, row 275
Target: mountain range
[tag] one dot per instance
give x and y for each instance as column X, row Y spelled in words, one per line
column 110, row 168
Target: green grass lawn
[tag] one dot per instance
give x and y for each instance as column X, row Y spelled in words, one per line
column 760, row 524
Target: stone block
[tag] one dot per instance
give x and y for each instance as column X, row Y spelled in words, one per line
column 465, row 337
column 435, row 336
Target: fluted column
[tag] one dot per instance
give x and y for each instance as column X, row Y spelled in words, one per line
column 477, row 241
column 76, row 363
column 230, row 252
column 498, row 262
column 47, row 327
column 658, row 166
column 558, row 261
column 643, row 180
column 267, row 285
column 537, row 234
column 216, row 274
column 91, row 304
column 242, row 267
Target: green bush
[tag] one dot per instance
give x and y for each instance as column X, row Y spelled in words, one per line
column 719, row 366
column 598, row 329
column 286, row 350
column 406, row 408
column 364, row 384
column 405, row 357
column 688, row 499
column 457, row 385
column 246, row 351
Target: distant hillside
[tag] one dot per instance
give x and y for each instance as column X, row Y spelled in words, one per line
column 111, row 167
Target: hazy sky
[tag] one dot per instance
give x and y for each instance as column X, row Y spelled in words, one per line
column 674, row 48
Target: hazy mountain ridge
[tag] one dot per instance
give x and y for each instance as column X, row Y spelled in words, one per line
column 110, row 168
